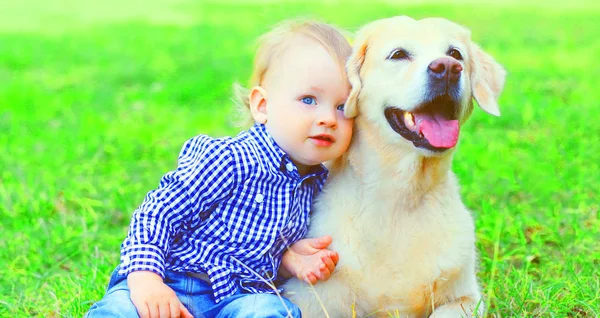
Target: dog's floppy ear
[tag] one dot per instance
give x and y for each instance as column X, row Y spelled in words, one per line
column 487, row 80
column 353, row 66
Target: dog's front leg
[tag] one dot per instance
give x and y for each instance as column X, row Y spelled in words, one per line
column 332, row 298
column 464, row 297
column 463, row 307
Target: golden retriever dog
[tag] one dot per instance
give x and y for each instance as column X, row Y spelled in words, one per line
column 392, row 205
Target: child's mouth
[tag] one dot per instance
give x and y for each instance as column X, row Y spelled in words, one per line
column 323, row 140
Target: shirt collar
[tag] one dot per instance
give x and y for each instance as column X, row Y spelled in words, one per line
column 277, row 158
column 273, row 153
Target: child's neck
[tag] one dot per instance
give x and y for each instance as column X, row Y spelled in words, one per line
column 303, row 169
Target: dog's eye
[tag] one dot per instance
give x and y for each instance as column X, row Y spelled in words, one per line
column 398, row 54
column 455, row 54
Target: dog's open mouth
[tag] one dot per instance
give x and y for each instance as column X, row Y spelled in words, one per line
column 433, row 126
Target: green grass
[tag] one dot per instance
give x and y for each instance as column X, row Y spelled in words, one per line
column 96, row 99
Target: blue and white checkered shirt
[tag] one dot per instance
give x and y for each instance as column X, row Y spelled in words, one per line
column 230, row 200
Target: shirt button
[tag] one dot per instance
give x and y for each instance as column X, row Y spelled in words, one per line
column 289, row 167
column 259, row 198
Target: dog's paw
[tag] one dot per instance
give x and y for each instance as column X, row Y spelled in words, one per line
column 454, row 311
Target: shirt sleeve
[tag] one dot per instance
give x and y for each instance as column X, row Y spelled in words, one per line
column 205, row 175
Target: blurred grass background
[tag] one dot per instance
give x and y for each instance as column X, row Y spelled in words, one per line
column 97, row 97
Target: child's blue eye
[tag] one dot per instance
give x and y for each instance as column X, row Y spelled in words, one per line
column 308, row 100
column 340, row 107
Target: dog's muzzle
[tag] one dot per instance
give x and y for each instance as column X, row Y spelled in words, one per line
column 433, row 125
column 444, row 78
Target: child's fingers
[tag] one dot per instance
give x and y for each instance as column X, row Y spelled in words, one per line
column 142, row 309
column 327, row 263
column 320, row 242
column 311, row 278
column 335, row 257
column 153, row 310
column 164, row 309
column 175, row 308
column 184, row 312
column 306, row 278
column 324, row 273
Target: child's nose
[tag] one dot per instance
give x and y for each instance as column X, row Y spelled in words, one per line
column 326, row 117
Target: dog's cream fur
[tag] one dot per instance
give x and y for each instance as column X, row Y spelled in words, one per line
column 405, row 239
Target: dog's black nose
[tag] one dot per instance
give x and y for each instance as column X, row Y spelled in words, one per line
column 446, row 69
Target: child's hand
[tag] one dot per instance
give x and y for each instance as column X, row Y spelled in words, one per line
column 309, row 260
column 153, row 298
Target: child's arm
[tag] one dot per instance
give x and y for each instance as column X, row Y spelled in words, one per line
column 206, row 174
column 153, row 298
column 163, row 214
column 309, row 260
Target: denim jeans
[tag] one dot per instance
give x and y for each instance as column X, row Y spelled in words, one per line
column 197, row 296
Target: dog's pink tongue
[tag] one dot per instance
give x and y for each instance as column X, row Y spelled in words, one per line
column 439, row 131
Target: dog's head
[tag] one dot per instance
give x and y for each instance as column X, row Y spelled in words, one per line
column 416, row 80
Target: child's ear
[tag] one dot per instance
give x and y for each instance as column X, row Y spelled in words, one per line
column 258, row 104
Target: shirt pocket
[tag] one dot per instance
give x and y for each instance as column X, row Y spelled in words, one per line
column 254, row 218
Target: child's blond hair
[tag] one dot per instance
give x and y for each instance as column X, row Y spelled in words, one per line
column 272, row 44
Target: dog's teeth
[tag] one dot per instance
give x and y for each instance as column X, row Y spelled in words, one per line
column 409, row 119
